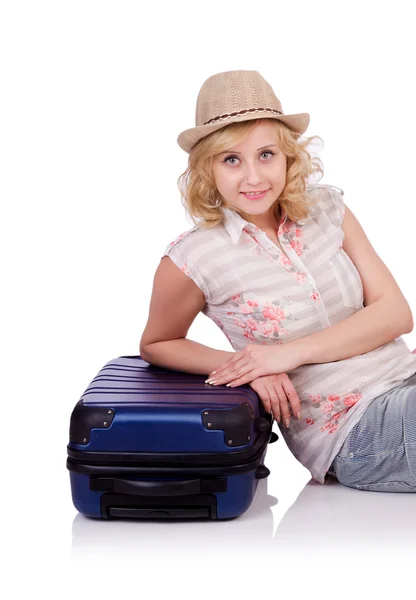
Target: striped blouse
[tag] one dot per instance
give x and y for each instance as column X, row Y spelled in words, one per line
column 256, row 294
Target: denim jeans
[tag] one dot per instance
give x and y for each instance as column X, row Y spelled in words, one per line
column 379, row 453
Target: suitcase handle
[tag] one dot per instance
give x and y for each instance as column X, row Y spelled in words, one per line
column 157, row 488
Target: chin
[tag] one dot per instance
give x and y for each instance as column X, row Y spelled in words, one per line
column 256, row 210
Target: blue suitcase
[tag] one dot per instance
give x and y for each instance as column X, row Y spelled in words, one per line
column 154, row 443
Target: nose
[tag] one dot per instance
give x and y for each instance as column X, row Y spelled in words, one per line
column 252, row 174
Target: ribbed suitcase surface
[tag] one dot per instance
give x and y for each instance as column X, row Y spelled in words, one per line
column 148, row 442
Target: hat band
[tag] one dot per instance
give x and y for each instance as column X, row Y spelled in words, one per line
column 241, row 112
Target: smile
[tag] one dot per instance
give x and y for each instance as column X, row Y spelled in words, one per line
column 255, row 195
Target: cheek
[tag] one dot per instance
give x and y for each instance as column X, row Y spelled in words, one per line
column 222, row 179
column 227, row 182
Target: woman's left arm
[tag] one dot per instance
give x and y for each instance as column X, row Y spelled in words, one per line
column 386, row 314
column 367, row 329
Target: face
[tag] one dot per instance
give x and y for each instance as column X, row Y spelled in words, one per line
column 255, row 164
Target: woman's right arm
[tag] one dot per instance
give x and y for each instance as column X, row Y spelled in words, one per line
column 176, row 301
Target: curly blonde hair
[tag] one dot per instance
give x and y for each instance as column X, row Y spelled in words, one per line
column 197, row 185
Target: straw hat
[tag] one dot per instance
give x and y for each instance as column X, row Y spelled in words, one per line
column 234, row 96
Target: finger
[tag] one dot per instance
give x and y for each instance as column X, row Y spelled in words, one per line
column 218, row 369
column 292, row 396
column 267, row 403
column 284, row 406
column 230, row 362
column 232, row 374
column 274, row 401
column 221, row 371
column 266, row 400
column 247, row 378
column 276, row 410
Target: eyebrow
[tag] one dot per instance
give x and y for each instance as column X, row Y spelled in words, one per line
column 234, row 152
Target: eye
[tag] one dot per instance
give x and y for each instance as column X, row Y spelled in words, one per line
column 233, row 156
column 268, row 152
column 229, row 158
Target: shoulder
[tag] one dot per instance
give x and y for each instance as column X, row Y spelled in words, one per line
column 330, row 206
column 179, row 238
column 196, row 238
column 184, row 252
column 322, row 188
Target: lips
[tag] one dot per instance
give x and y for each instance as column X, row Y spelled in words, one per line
column 254, row 196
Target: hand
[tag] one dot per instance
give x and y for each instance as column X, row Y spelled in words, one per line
column 274, row 392
column 255, row 361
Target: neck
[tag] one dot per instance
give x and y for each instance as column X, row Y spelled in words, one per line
column 269, row 223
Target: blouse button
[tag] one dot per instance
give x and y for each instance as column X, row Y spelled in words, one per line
column 351, row 455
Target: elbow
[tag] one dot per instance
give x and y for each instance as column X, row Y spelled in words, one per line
column 408, row 320
column 399, row 310
column 400, row 314
column 409, row 326
column 142, row 352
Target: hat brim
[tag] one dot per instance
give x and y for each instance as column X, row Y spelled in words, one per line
column 188, row 138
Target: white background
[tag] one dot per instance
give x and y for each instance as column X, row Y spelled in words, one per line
column 94, row 95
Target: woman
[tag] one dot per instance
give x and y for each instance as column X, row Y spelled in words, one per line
column 288, row 274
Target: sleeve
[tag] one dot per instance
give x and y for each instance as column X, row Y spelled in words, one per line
column 183, row 252
column 336, row 207
column 330, row 209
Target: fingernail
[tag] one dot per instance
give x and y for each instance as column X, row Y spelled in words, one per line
column 287, row 421
column 298, row 415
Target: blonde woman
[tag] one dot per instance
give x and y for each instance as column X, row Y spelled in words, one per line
column 284, row 269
